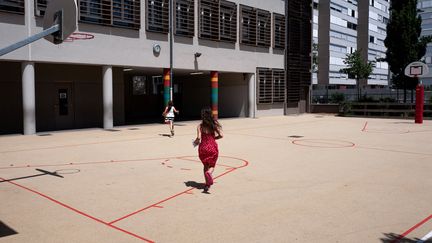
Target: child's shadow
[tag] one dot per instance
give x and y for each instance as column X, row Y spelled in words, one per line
column 195, row 184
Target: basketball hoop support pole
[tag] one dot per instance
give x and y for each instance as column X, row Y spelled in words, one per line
column 33, row 38
column 419, row 102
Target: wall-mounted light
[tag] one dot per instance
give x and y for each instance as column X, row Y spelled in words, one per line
column 197, row 54
column 156, row 49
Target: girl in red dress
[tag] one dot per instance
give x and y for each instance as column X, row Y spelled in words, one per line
column 207, row 133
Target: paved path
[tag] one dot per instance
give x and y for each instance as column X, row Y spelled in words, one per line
column 308, row 178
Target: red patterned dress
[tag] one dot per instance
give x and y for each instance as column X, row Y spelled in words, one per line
column 208, row 149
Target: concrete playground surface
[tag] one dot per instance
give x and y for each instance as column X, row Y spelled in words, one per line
column 307, row 178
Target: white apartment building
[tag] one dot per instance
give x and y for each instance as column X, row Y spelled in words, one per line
column 117, row 78
column 425, row 11
column 343, row 26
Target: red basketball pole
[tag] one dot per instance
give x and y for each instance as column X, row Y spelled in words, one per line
column 419, row 103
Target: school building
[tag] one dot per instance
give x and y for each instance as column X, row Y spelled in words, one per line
column 228, row 55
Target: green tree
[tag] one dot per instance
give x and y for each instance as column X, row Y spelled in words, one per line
column 403, row 42
column 357, row 69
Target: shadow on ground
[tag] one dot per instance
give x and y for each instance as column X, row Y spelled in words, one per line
column 396, row 238
column 6, row 230
column 195, row 184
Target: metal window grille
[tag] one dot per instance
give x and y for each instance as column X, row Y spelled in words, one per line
column 95, row 11
column 12, row 6
column 228, row 21
column 209, row 19
column 40, row 7
column 279, row 31
column 298, row 60
column 120, row 13
column 265, row 86
column 184, row 17
column 263, row 28
column 248, row 24
column 271, row 86
column 278, row 85
column 126, row 13
column 157, row 13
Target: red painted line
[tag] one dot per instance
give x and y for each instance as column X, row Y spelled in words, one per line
column 334, row 143
column 392, row 150
column 155, row 204
column 81, row 163
column 77, row 211
column 364, row 127
column 411, row 229
column 198, row 161
column 246, row 163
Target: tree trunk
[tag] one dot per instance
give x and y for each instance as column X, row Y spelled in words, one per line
column 358, row 89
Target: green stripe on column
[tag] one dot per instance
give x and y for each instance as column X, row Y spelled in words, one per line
column 214, row 93
column 167, row 80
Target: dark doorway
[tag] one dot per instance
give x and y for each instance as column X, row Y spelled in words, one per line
column 144, row 99
column 64, row 106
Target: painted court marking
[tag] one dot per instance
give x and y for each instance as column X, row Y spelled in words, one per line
column 323, row 143
column 156, row 205
column 403, row 235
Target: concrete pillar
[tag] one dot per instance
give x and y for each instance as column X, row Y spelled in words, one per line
column 214, row 93
column 167, row 85
column 107, row 97
column 28, row 96
column 250, row 78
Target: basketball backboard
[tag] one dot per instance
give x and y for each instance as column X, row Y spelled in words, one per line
column 64, row 13
column 416, row 69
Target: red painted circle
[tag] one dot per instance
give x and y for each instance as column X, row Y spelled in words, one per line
column 323, row 143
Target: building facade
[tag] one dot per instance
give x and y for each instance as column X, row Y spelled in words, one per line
column 344, row 26
column 425, row 11
column 119, row 76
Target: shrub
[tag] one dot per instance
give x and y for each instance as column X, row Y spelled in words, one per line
column 337, row 98
column 388, row 100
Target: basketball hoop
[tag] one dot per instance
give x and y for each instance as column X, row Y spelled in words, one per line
column 79, row 36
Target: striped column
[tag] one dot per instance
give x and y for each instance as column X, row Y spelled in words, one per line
column 214, row 93
column 167, row 81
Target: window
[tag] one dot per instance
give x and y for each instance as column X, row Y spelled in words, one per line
column 265, row 86
column 263, row 28
column 271, row 85
column 157, row 16
column 248, row 22
column 351, row 26
column 94, row 11
column 228, row 21
column 120, row 13
column 218, row 20
column 371, row 39
column 209, row 19
column 139, row 85
column 279, row 31
column 126, row 13
column 40, row 7
column 184, row 18
column 12, row 6
column 278, row 86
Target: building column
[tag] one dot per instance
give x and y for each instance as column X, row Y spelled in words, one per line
column 250, row 79
column 107, row 97
column 214, row 93
column 167, row 85
column 28, row 96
